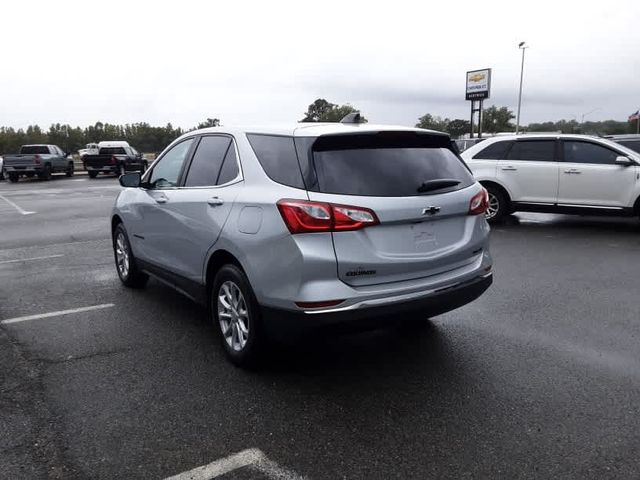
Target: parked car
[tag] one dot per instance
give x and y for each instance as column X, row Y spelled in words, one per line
column 40, row 160
column 1, row 169
column 114, row 158
column 278, row 229
column 629, row 141
column 89, row 149
column 575, row 174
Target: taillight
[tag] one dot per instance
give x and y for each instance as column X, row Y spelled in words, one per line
column 37, row 159
column 479, row 203
column 303, row 216
column 114, row 160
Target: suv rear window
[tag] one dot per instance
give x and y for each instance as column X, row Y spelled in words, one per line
column 387, row 164
column 35, row 150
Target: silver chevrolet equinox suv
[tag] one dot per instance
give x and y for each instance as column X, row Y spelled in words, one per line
column 277, row 229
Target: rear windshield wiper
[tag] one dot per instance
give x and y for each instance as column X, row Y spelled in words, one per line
column 431, row 185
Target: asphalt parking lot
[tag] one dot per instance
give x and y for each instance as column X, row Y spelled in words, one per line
column 539, row 378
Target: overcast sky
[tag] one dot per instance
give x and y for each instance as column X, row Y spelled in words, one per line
column 266, row 61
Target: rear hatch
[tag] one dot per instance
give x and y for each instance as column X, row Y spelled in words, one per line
column 27, row 156
column 420, row 192
column 106, row 156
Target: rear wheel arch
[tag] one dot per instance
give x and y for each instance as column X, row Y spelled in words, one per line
column 115, row 221
column 636, row 206
column 219, row 259
column 497, row 186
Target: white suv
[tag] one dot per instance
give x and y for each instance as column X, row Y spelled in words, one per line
column 556, row 173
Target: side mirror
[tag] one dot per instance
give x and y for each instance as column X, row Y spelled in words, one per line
column 624, row 161
column 130, row 180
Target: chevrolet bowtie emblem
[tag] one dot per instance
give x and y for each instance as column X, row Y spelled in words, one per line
column 430, row 210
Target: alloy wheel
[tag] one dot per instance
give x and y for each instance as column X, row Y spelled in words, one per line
column 493, row 208
column 122, row 255
column 233, row 315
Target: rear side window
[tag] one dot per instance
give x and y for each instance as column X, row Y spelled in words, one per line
column 388, row 164
column 495, row 151
column 35, row 150
column 207, row 161
column 229, row 170
column 533, row 150
column 277, row 156
column 586, row 152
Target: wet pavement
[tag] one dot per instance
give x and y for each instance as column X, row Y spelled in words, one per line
column 539, row 378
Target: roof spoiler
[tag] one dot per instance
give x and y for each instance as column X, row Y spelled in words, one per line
column 353, row 117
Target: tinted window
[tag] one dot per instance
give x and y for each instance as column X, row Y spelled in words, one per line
column 533, row 150
column 229, row 169
column 35, row 150
column 112, row 151
column 586, row 152
column 277, row 155
column 207, row 161
column 632, row 144
column 495, row 151
column 167, row 171
column 387, row 165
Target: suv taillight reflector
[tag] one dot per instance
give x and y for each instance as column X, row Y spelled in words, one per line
column 37, row 159
column 479, row 203
column 323, row 304
column 114, row 160
column 303, row 216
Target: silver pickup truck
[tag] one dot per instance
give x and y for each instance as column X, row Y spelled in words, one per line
column 40, row 160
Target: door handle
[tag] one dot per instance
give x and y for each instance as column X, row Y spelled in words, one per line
column 215, row 201
column 509, row 168
column 572, row 170
column 161, row 199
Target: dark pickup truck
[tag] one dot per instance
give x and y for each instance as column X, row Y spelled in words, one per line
column 40, row 160
column 114, row 160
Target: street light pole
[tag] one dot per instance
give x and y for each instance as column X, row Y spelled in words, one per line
column 522, row 47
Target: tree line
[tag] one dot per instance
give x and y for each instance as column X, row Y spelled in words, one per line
column 148, row 138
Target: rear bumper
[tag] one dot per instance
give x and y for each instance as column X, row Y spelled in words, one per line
column 112, row 168
column 19, row 169
column 379, row 311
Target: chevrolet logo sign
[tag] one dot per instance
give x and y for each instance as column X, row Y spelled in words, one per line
column 430, row 210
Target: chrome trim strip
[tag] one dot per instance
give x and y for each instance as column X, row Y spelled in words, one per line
column 375, row 302
column 589, row 206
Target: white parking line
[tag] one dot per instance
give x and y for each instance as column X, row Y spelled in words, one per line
column 56, row 314
column 23, row 212
column 17, row 260
column 252, row 458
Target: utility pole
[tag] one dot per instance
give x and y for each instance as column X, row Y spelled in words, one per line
column 522, row 47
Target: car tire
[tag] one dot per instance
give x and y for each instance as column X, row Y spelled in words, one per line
column 236, row 313
column 498, row 205
column 70, row 170
column 126, row 266
column 46, row 173
column 13, row 177
column 93, row 174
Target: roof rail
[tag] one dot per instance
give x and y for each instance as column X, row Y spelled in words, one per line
column 353, row 117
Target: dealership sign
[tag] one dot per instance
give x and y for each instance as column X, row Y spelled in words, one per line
column 478, row 84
